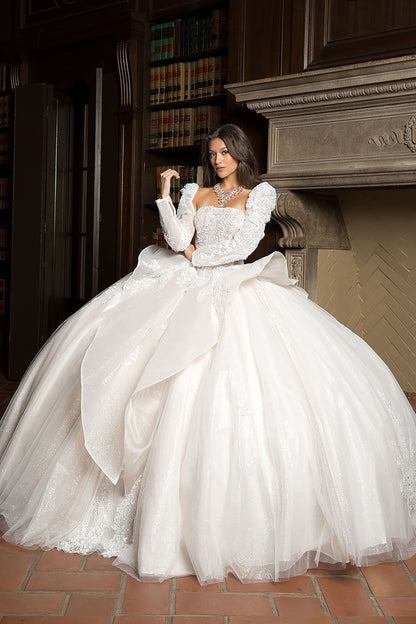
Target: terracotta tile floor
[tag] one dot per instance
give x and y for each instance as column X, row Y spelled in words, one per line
column 48, row 587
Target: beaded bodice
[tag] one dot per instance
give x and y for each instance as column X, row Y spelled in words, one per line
column 222, row 235
column 213, row 224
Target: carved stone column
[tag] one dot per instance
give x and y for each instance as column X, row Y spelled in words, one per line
column 309, row 222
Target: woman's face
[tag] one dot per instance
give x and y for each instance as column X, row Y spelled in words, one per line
column 220, row 158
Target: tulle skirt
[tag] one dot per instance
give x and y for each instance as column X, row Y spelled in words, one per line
column 207, row 421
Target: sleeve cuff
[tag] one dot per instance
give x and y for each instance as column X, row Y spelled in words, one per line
column 166, row 204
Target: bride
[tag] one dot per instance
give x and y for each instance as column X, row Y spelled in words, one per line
column 203, row 416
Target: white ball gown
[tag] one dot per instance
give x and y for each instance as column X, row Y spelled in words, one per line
column 206, row 417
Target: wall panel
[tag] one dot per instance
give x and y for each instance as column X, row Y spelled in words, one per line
column 346, row 31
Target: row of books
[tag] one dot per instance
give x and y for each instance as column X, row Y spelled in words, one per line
column 5, row 111
column 4, row 193
column 178, row 82
column 5, row 147
column 187, row 173
column 183, row 126
column 4, row 76
column 190, row 35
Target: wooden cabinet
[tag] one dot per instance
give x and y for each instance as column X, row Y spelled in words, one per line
column 84, row 235
column 349, row 31
column 6, row 191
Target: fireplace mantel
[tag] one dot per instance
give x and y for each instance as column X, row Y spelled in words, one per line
column 344, row 127
column 350, row 126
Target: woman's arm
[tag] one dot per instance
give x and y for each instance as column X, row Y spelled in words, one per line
column 260, row 204
column 178, row 228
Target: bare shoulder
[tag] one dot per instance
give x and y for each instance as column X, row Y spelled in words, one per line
column 203, row 196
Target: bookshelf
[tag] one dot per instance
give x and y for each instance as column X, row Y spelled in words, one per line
column 185, row 99
column 6, row 143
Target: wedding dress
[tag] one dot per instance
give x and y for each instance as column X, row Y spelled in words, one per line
column 206, row 417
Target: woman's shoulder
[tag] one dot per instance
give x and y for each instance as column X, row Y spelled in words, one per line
column 202, row 191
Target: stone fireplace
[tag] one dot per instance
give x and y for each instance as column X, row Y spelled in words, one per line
column 342, row 154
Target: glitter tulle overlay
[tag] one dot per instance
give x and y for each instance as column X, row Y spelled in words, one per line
column 206, row 417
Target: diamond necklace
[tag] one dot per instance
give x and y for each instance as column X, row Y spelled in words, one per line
column 224, row 196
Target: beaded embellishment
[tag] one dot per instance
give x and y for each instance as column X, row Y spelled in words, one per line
column 224, row 196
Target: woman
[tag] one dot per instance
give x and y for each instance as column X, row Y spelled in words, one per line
column 202, row 416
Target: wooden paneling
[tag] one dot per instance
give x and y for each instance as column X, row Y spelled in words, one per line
column 347, row 31
column 43, row 24
column 256, row 37
column 42, row 11
column 6, row 21
column 34, row 160
column 266, row 38
column 158, row 9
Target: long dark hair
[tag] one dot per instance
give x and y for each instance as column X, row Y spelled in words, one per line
column 240, row 148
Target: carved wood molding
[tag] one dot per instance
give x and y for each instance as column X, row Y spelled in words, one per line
column 130, row 74
column 334, row 88
column 124, row 74
column 19, row 74
column 346, row 31
column 335, row 95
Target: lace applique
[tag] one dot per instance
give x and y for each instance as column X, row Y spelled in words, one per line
column 214, row 225
column 405, row 457
column 216, row 286
column 158, row 276
column 93, row 533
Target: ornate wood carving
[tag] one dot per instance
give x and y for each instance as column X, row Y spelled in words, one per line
column 130, row 145
column 124, row 74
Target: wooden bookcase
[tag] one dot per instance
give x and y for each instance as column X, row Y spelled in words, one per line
column 187, row 67
column 6, row 182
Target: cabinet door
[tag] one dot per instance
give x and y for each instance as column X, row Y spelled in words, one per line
column 349, row 31
column 56, row 212
column 34, row 177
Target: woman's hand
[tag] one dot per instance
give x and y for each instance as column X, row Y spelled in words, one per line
column 189, row 251
column 165, row 178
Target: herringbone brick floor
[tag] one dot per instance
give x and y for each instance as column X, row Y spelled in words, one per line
column 51, row 587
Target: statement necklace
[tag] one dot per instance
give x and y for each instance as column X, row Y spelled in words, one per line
column 224, row 196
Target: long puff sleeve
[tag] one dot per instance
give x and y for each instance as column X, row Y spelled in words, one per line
column 260, row 203
column 178, row 228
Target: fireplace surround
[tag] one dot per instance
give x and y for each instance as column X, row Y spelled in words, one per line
column 342, row 155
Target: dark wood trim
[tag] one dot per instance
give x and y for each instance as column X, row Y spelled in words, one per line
column 236, row 39
column 130, row 147
column 321, row 50
column 180, row 7
column 94, row 183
